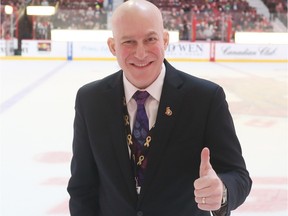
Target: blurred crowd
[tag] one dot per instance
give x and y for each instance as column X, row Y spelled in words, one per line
column 81, row 15
column 277, row 9
column 211, row 18
column 206, row 19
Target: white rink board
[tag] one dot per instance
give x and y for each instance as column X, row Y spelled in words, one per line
column 227, row 51
column 177, row 51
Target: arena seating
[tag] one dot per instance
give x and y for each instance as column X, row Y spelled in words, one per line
column 210, row 20
column 277, row 9
column 211, row 17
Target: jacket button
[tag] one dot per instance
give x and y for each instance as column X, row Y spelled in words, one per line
column 140, row 213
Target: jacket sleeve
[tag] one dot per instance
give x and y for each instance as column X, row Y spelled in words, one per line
column 83, row 184
column 226, row 153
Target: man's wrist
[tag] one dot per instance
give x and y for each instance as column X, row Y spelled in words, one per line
column 224, row 196
column 223, row 209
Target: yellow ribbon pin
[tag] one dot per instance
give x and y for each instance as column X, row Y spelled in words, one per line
column 148, row 140
column 126, row 119
column 129, row 139
column 141, row 159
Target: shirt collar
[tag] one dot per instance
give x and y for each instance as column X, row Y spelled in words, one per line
column 154, row 89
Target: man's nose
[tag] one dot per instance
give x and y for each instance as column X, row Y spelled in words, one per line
column 140, row 52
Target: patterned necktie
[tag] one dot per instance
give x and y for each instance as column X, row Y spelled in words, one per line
column 139, row 134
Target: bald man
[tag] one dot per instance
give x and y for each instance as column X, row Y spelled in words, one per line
column 191, row 162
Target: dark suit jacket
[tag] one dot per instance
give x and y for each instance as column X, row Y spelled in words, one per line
column 102, row 182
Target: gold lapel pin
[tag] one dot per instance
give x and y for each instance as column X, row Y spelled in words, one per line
column 168, row 111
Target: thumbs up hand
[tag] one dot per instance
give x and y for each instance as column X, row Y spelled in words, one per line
column 208, row 187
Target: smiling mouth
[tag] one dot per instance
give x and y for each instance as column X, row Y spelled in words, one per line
column 141, row 65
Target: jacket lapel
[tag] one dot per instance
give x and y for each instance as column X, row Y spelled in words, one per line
column 115, row 94
column 170, row 102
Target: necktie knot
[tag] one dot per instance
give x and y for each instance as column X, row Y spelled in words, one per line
column 140, row 97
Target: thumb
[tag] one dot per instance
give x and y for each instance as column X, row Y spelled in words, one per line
column 205, row 165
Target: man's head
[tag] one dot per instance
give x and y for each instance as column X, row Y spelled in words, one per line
column 139, row 41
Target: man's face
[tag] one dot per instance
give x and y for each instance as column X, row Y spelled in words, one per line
column 139, row 44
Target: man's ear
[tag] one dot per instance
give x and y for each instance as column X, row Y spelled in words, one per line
column 111, row 45
column 165, row 39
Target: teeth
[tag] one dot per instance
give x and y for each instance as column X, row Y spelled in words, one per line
column 141, row 65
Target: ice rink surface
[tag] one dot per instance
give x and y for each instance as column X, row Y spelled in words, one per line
column 36, row 122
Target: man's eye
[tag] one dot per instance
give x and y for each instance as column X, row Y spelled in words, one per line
column 128, row 42
column 152, row 39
